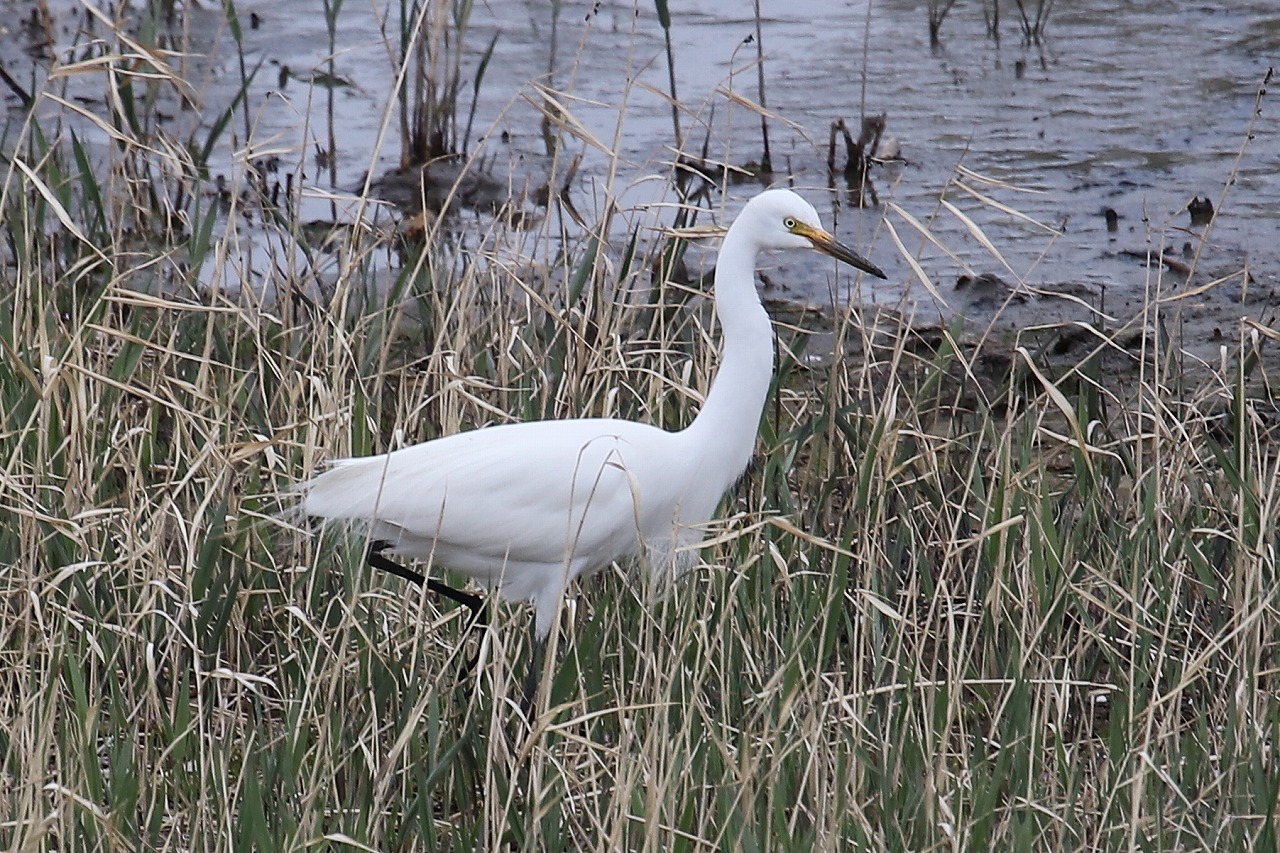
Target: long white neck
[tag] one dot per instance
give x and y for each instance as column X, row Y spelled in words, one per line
column 723, row 435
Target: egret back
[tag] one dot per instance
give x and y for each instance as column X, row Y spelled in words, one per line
column 542, row 493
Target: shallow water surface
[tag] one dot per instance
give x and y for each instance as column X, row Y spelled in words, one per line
column 1139, row 109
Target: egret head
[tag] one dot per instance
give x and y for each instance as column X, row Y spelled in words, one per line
column 784, row 220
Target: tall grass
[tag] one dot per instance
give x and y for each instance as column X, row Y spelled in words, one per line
column 962, row 598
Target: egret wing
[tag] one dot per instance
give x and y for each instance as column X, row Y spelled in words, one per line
column 527, row 493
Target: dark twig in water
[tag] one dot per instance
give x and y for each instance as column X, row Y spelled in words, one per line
column 664, row 18
column 1033, row 29
column 992, row 17
column 16, row 88
column 938, row 10
column 858, row 153
column 766, row 159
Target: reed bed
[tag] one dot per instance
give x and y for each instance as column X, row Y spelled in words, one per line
column 947, row 607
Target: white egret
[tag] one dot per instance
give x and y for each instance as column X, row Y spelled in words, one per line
column 526, row 508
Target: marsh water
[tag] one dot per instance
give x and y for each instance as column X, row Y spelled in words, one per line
column 1138, row 108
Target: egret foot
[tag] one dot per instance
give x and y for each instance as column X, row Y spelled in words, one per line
column 475, row 603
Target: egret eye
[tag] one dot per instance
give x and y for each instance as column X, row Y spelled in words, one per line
column 789, row 223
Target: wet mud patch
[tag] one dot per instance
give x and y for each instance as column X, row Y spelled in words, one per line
column 995, row 349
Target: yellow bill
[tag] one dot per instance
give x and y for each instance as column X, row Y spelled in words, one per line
column 828, row 245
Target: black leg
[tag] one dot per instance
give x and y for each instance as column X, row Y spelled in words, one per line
column 476, row 604
column 535, row 674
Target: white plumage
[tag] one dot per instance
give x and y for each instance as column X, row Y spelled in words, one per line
column 523, row 508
